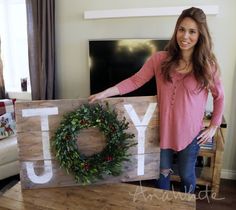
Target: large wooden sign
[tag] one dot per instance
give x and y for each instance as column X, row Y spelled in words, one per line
column 38, row 120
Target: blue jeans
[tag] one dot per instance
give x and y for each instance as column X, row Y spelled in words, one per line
column 186, row 167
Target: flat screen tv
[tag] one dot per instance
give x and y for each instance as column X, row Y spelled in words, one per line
column 111, row 61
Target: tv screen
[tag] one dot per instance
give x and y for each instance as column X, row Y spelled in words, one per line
column 111, row 61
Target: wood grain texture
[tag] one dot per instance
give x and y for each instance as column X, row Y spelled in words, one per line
column 106, row 197
column 61, row 178
column 34, row 132
column 24, row 124
column 30, row 143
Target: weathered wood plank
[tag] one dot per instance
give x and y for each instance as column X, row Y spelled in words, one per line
column 31, row 146
column 33, row 123
column 38, row 120
column 59, row 177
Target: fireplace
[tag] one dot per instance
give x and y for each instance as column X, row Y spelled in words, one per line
column 111, row 61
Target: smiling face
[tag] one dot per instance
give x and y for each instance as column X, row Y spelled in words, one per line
column 187, row 35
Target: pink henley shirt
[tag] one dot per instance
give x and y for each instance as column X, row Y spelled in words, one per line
column 181, row 103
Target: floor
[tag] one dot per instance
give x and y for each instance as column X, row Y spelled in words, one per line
column 205, row 201
column 225, row 201
column 6, row 184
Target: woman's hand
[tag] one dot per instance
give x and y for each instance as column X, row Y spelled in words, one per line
column 96, row 97
column 207, row 134
column 112, row 91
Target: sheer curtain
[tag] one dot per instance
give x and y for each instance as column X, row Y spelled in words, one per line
column 2, row 86
column 41, row 42
column 14, row 46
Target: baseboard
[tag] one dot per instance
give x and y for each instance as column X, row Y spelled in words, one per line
column 228, row 174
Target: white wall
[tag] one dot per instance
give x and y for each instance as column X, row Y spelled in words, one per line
column 73, row 33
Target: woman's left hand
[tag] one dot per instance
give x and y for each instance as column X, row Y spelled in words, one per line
column 207, row 134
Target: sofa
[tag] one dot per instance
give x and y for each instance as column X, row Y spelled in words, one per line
column 9, row 163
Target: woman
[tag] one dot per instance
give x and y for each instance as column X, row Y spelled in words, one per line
column 185, row 73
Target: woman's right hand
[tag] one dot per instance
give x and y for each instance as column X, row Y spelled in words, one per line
column 96, row 97
column 112, row 91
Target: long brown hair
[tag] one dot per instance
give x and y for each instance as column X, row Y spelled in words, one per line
column 202, row 58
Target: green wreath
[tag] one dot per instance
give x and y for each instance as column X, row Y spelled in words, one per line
column 87, row 169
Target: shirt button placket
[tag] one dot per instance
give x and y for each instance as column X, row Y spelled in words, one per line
column 173, row 96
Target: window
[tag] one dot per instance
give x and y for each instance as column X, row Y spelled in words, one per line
column 14, row 45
